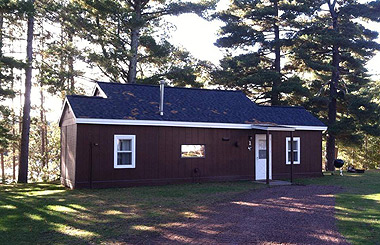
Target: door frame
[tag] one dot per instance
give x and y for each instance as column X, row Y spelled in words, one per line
column 257, row 138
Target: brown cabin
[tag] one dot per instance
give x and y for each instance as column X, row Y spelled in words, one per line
column 127, row 135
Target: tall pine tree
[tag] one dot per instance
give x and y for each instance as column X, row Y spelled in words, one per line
column 24, row 154
column 262, row 32
column 335, row 46
column 124, row 34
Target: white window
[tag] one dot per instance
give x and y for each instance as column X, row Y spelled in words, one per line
column 193, row 151
column 296, row 150
column 124, row 151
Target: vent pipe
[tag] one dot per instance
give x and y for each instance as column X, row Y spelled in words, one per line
column 162, row 88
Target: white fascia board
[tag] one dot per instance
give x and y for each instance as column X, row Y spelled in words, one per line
column 273, row 128
column 162, row 123
column 194, row 124
column 312, row 128
column 63, row 108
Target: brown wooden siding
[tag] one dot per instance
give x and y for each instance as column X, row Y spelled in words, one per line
column 311, row 154
column 158, row 155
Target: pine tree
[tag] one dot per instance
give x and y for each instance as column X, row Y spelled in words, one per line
column 24, row 155
column 8, row 10
column 58, row 52
column 125, row 33
column 261, row 33
column 335, row 46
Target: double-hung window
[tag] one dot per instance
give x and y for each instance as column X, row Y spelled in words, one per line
column 124, row 151
column 296, row 150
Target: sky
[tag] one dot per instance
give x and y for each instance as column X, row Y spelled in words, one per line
column 198, row 36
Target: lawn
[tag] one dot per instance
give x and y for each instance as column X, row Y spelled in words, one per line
column 358, row 206
column 50, row 213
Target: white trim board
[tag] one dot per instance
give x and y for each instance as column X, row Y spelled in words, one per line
column 162, row 123
column 194, row 124
column 316, row 128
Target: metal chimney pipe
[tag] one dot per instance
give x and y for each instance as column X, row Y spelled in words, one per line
column 162, row 88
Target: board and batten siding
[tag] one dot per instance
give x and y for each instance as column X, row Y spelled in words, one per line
column 158, row 155
column 310, row 154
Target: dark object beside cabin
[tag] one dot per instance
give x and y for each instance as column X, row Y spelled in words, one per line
column 338, row 163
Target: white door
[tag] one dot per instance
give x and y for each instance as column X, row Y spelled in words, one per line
column 260, row 153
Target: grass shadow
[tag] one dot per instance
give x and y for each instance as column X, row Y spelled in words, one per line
column 49, row 213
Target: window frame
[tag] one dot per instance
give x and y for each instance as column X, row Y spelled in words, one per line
column 133, row 150
column 295, row 139
column 204, row 156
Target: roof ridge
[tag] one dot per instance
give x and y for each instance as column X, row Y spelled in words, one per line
column 283, row 106
column 171, row 87
column 84, row 96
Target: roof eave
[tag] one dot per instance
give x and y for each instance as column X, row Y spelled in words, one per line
column 196, row 124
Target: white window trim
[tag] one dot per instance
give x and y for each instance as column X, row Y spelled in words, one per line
column 133, row 150
column 298, row 140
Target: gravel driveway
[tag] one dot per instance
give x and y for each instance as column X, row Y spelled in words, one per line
column 278, row 215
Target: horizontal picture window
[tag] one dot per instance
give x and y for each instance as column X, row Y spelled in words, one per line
column 193, row 151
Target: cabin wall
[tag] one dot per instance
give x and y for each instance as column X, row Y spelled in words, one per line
column 68, row 148
column 310, row 154
column 158, row 155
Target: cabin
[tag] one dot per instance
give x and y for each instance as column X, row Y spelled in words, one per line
column 128, row 135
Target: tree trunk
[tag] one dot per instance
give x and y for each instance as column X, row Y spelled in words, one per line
column 71, row 64
column 2, row 168
column 275, row 96
column 23, row 166
column 43, row 129
column 1, row 54
column 135, row 36
column 1, row 32
column 13, row 158
column 14, row 134
column 62, row 77
column 333, row 86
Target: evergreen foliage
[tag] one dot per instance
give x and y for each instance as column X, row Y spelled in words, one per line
column 334, row 46
column 128, row 45
column 8, row 10
column 261, row 33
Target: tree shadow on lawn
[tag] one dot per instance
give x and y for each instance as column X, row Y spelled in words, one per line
column 48, row 213
column 359, row 217
column 207, row 213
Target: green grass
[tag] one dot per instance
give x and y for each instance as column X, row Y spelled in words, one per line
column 358, row 206
column 51, row 214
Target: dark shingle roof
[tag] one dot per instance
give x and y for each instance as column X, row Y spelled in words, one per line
column 141, row 102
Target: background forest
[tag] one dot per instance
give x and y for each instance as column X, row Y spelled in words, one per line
column 312, row 53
